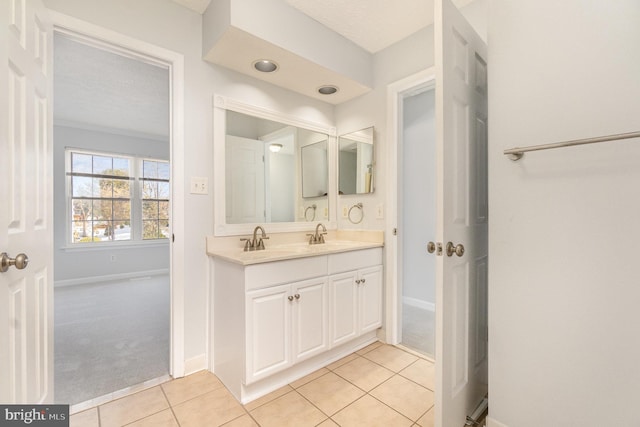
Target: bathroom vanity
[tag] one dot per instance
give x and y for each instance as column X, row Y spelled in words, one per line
column 286, row 311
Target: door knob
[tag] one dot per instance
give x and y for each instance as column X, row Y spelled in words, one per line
column 20, row 261
column 431, row 247
column 455, row 249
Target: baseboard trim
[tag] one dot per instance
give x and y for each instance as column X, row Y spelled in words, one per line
column 195, row 364
column 414, row 302
column 108, row 277
column 493, row 423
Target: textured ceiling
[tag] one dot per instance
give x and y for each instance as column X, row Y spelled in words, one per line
column 371, row 24
column 100, row 89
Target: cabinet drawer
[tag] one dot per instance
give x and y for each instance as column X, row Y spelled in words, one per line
column 259, row 276
column 354, row 260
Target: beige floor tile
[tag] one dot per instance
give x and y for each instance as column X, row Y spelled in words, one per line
column 132, row 408
column 243, row 421
column 369, row 412
column 312, row 376
column 211, row 409
column 88, row 418
column 368, row 348
column 427, row 420
column 422, row 372
column 391, row 357
column 328, row 423
column 330, row 393
column 161, row 419
column 194, row 385
column 405, row 396
column 342, row 361
column 364, row 373
column 267, row 398
column 290, row 410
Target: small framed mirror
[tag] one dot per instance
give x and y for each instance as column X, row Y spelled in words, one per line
column 356, row 162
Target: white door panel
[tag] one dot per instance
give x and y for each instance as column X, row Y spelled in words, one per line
column 26, row 297
column 461, row 135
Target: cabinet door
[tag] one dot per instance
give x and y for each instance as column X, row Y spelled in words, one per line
column 370, row 289
column 343, row 302
column 268, row 331
column 309, row 318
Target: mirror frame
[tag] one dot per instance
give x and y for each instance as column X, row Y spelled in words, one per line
column 374, row 150
column 221, row 105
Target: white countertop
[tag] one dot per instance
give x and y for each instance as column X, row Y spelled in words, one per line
column 284, row 246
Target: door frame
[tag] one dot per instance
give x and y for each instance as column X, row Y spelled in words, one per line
column 423, row 80
column 175, row 62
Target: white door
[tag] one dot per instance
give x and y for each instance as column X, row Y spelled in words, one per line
column 26, row 296
column 268, row 346
column 343, row 300
column 370, row 299
column 245, row 180
column 310, row 318
column 461, row 141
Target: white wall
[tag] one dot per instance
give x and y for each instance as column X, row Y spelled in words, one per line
column 419, row 197
column 563, row 231
column 73, row 264
column 168, row 25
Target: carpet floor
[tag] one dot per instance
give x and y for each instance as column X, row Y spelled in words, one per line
column 109, row 336
column 418, row 330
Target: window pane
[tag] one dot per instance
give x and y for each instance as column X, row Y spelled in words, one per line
column 149, row 190
column 122, row 211
column 80, row 163
column 120, row 166
column 163, row 190
column 104, row 187
column 164, row 230
column 81, row 210
column 163, row 170
column 102, row 210
column 149, row 210
column 81, row 230
column 149, row 229
column 122, row 231
column 121, row 188
column 163, row 210
column 81, row 186
column 106, row 230
column 102, row 165
column 149, row 169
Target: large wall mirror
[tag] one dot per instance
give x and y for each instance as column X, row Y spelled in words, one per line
column 276, row 170
column 356, row 162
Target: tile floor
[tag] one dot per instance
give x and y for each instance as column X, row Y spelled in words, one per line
column 380, row 385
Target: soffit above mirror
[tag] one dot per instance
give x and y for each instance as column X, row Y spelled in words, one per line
column 309, row 55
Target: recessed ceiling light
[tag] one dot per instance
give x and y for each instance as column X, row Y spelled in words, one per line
column 327, row 90
column 265, row 65
column 274, row 148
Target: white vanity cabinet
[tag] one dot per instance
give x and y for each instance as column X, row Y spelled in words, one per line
column 285, row 324
column 355, row 296
column 276, row 321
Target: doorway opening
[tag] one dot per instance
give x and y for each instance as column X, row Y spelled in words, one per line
column 417, row 219
column 112, row 215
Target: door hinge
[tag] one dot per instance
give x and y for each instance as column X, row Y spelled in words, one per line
column 395, row 231
column 173, row 237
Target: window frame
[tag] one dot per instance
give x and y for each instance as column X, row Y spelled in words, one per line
column 136, row 201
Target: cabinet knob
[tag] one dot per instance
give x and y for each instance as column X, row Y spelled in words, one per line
column 290, row 298
column 362, row 280
column 297, row 296
column 358, row 281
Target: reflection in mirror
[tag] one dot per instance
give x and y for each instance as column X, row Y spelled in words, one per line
column 355, row 172
column 264, row 161
column 314, row 169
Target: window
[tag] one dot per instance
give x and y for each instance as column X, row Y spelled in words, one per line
column 117, row 198
column 155, row 199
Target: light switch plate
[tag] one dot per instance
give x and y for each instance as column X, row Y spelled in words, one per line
column 199, row 185
column 380, row 211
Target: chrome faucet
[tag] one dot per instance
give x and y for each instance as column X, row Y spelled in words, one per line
column 255, row 244
column 318, row 238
